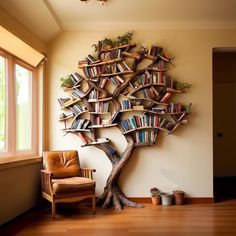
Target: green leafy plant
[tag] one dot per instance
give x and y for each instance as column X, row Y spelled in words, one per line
column 155, row 192
column 187, row 108
column 182, row 86
column 66, row 82
column 118, row 41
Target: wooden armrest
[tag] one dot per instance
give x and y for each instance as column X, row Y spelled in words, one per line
column 87, row 172
column 46, row 181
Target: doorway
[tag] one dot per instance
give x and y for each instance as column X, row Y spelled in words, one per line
column 224, row 124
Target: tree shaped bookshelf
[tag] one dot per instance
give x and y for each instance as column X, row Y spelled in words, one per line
column 122, row 79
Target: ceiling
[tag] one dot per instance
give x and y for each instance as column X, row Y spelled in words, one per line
column 47, row 18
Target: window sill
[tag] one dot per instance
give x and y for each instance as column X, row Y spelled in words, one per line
column 6, row 163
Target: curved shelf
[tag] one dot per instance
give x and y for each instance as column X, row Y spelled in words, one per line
column 157, row 69
column 66, row 118
column 100, row 100
column 95, row 143
column 129, row 110
column 141, row 144
column 99, row 113
column 140, row 128
column 74, row 87
column 146, row 86
column 119, row 47
column 103, row 63
column 131, row 55
column 166, row 113
column 170, row 90
column 102, row 126
column 145, row 99
column 68, row 130
column 71, row 103
column 150, row 57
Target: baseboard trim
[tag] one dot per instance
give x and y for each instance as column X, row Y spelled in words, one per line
column 194, row 200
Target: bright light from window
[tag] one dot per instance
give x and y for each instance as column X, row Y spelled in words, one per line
column 2, row 104
column 23, row 108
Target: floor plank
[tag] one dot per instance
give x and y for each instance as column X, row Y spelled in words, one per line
column 193, row 219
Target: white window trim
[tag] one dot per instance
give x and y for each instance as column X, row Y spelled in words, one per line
column 11, row 109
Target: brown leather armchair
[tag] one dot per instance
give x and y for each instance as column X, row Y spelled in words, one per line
column 63, row 180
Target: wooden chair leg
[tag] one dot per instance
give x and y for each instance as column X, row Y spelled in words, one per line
column 94, row 205
column 53, row 210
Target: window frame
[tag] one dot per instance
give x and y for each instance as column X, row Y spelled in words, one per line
column 11, row 106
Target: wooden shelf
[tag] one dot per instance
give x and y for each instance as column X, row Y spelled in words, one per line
column 131, row 55
column 157, row 69
column 170, row 90
column 66, row 118
column 115, row 48
column 75, row 130
column 145, row 99
column 71, row 103
column 141, row 144
column 150, row 57
column 109, row 75
column 130, row 110
column 100, row 113
column 100, row 100
column 140, row 128
column 103, row 63
column 95, row 143
column 146, row 86
column 72, row 88
column 102, row 126
column 167, row 113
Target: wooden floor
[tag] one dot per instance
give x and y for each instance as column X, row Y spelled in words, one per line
column 189, row 220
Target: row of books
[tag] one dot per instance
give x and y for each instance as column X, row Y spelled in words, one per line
column 102, row 81
column 171, row 108
column 101, row 107
column 77, row 109
column 155, row 51
column 166, row 124
column 94, row 94
column 145, row 136
column 64, row 101
column 105, row 69
column 77, row 93
column 100, row 121
column 151, row 93
column 135, row 122
column 153, row 78
column 125, row 104
column 80, row 124
column 114, row 54
column 116, row 80
column 161, row 96
column 76, row 77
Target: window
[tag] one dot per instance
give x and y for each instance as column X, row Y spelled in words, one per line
column 18, row 107
column 2, row 104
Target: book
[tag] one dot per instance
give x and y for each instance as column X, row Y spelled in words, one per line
column 165, row 97
column 83, row 138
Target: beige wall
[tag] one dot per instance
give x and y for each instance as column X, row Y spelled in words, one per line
column 182, row 160
column 20, row 190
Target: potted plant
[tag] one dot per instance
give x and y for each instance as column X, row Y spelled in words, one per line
column 166, row 199
column 179, row 197
column 66, row 82
column 156, row 196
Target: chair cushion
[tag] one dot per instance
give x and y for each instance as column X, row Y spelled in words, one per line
column 71, row 185
column 62, row 163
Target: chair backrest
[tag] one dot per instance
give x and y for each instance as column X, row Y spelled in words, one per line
column 62, row 164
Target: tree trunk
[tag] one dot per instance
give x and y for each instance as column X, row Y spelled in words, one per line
column 112, row 195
